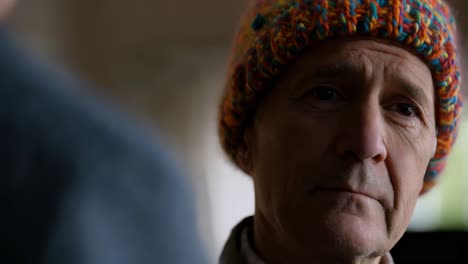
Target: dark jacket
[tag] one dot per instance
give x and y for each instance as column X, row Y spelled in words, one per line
column 232, row 250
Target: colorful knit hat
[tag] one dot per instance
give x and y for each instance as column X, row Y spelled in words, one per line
column 275, row 32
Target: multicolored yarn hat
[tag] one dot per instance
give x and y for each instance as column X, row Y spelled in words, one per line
column 275, row 32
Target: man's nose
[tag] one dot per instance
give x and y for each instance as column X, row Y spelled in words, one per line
column 361, row 134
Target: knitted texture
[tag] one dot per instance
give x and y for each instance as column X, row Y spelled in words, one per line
column 273, row 33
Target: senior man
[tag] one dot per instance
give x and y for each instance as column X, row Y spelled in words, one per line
column 343, row 113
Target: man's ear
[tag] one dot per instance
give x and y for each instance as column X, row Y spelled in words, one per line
column 244, row 152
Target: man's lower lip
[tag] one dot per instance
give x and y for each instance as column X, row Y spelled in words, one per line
column 337, row 191
column 343, row 192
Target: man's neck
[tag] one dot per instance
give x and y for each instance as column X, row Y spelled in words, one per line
column 272, row 248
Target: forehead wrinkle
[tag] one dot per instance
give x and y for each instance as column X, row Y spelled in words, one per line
column 341, row 64
column 401, row 56
column 343, row 67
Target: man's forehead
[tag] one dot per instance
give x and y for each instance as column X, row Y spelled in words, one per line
column 353, row 49
column 351, row 56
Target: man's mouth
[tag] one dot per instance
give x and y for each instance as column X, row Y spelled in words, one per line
column 342, row 190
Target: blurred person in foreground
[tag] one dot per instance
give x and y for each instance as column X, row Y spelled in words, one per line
column 343, row 113
column 79, row 182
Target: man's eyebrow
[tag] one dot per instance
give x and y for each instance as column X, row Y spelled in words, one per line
column 414, row 90
column 342, row 71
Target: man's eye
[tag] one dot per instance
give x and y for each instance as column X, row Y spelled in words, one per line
column 321, row 97
column 407, row 110
column 324, row 93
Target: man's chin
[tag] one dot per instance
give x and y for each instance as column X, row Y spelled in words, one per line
column 354, row 235
column 355, row 230
column 346, row 208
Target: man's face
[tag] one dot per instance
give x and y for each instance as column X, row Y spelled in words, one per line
column 339, row 148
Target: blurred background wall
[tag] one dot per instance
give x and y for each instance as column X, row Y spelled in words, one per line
column 164, row 61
